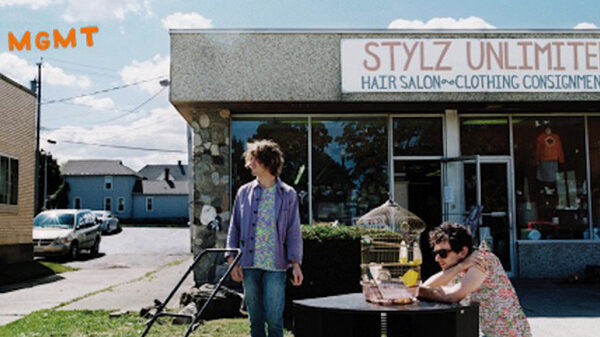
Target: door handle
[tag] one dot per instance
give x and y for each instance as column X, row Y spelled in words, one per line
column 495, row 214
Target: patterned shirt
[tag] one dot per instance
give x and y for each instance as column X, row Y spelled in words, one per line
column 264, row 246
column 500, row 313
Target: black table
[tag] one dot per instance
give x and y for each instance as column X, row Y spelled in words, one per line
column 351, row 315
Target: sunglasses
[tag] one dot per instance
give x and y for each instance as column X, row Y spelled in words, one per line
column 443, row 253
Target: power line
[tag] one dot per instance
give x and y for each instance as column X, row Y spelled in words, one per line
column 138, row 148
column 134, row 109
column 103, row 91
column 80, row 64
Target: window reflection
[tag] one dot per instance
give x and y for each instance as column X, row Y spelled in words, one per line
column 484, row 136
column 349, row 174
column 550, row 178
column 594, row 131
column 417, row 136
column 292, row 137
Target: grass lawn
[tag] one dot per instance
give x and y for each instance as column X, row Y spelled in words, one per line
column 57, row 268
column 97, row 323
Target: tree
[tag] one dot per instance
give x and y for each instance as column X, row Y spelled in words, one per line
column 55, row 182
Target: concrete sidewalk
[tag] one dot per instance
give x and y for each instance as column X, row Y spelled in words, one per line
column 113, row 288
column 556, row 309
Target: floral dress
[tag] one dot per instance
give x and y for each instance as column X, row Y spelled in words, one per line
column 500, row 313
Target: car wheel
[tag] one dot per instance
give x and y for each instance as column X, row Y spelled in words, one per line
column 96, row 247
column 74, row 251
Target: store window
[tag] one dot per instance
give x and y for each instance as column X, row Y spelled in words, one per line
column 292, row 136
column 594, row 133
column 550, row 178
column 418, row 136
column 484, row 136
column 349, row 167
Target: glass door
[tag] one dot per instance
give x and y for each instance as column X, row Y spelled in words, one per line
column 478, row 189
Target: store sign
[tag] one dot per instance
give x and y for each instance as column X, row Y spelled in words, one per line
column 470, row 65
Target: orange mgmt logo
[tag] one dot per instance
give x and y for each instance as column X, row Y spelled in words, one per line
column 43, row 40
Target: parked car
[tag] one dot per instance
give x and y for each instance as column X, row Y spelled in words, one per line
column 109, row 223
column 65, row 232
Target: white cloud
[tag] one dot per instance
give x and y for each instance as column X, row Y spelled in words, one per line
column 106, row 103
column 23, row 72
column 33, row 4
column 186, row 20
column 471, row 22
column 138, row 71
column 585, row 25
column 101, row 10
column 163, row 128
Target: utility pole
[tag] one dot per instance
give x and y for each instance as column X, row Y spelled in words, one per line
column 37, row 137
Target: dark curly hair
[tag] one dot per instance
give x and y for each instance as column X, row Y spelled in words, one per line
column 457, row 235
column 267, row 152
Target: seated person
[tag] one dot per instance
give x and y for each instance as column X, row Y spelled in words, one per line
column 474, row 275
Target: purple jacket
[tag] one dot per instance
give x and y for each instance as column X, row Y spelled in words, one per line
column 288, row 240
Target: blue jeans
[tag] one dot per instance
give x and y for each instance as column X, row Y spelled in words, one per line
column 264, row 294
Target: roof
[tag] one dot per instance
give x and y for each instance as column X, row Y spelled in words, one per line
column 16, row 84
column 96, row 167
column 164, row 187
column 157, row 172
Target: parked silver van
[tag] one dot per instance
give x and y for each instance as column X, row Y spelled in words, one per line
column 65, row 232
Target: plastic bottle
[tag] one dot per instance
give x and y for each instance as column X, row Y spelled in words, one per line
column 403, row 252
column 417, row 256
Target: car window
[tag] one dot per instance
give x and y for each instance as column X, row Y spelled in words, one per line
column 53, row 219
column 81, row 220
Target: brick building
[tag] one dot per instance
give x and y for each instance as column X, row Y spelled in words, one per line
column 17, row 162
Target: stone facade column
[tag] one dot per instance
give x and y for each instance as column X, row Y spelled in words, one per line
column 211, row 188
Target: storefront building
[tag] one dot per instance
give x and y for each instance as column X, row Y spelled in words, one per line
column 447, row 123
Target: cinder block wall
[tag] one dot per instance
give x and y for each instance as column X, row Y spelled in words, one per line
column 17, row 139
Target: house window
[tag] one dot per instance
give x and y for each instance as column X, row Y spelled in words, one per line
column 107, row 203
column 108, row 181
column 9, row 180
column 149, row 204
column 77, row 203
column 121, row 204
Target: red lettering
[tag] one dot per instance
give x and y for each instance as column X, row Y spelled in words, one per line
column 524, row 46
column 481, row 58
column 438, row 65
column 391, row 45
column 423, row 66
column 409, row 53
column 497, row 55
column 558, row 45
column 540, row 50
column 589, row 55
column 375, row 57
column 575, row 46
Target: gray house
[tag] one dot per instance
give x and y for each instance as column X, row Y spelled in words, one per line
column 162, row 194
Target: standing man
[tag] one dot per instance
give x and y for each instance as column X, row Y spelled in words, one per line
column 476, row 275
column 265, row 225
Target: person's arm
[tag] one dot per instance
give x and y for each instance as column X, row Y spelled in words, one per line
column 451, row 294
column 293, row 239
column 294, row 242
column 445, row 276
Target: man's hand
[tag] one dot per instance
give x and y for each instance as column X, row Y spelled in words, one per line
column 236, row 273
column 297, row 274
column 473, row 260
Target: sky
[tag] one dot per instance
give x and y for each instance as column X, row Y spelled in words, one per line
column 110, row 93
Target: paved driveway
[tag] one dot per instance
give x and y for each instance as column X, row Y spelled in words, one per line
column 134, row 267
column 138, row 247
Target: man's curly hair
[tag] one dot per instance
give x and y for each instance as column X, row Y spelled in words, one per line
column 267, row 152
column 457, row 235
